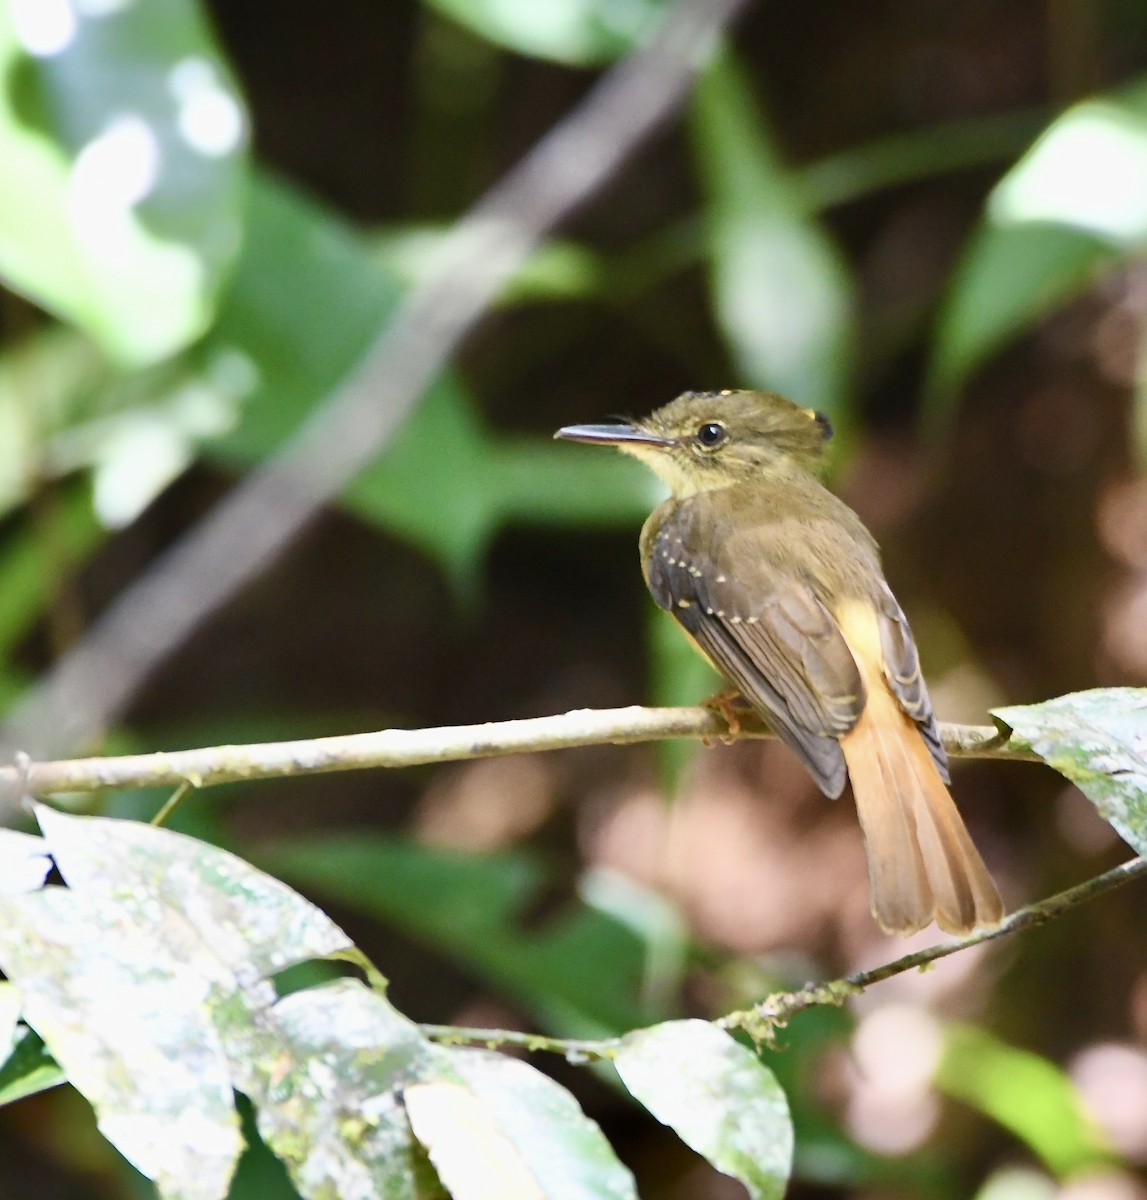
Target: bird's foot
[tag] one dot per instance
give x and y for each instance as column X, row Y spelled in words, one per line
column 726, row 704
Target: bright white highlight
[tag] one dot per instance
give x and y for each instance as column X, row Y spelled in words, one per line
column 44, row 27
column 118, row 169
column 208, row 117
column 1088, row 171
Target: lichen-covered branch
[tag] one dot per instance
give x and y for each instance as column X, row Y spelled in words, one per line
column 413, row 747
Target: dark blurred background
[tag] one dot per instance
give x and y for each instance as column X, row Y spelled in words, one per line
column 853, row 208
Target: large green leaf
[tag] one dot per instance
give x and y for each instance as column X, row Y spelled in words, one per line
column 308, row 298
column 123, row 142
column 1072, row 206
column 582, row 973
column 1098, row 739
column 781, row 289
column 717, row 1095
column 579, row 32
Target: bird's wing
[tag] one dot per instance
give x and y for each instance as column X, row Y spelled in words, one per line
column 902, row 672
column 779, row 644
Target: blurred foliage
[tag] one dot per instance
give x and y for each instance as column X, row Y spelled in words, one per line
column 948, row 205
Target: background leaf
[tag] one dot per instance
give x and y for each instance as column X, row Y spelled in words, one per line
column 1024, row 1092
column 128, row 138
column 1071, row 207
column 780, row 289
column 579, row 32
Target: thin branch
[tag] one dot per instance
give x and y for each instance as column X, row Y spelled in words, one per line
column 415, row 747
column 762, row 1020
column 93, row 684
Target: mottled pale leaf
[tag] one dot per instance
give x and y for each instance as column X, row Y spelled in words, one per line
column 781, row 289
column 580, row 32
column 1098, row 739
column 717, row 1095
column 325, row 1067
column 129, row 1025
column 24, row 862
column 9, row 1018
column 123, row 141
column 215, row 907
column 473, row 1158
column 558, row 1145
column 1024, row 1092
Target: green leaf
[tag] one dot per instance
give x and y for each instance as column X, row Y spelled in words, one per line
column 1098, row 739
column 1026, row 1094
column 545, row 1145
column 1070, row 208
column 472, row 906
column 123, row 140
column 28, row 1069
column 307, row 301
column 578, row 32
column 780, row 286
column 718, row 1097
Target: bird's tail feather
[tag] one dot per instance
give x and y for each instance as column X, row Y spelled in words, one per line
column 922, row 864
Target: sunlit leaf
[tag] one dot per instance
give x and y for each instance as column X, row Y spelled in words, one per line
column 127, row 138
column 551, row 1140
column 780, row 287
column 470, row 1153
column 1073, row 205
column 1098, row 739
column 718, row 1097
column 579, row 32
column 1025, row 1093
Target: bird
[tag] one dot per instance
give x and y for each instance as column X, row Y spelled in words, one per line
column 780, row 586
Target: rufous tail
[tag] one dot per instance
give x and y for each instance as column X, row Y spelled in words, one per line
column 922, row 865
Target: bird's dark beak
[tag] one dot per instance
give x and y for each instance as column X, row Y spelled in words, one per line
column 612, row 435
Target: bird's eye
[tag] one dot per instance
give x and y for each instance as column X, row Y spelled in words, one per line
column 711, row 435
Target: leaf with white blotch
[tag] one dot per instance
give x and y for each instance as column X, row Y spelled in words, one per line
column 128, row 1023
column 216, row 908
column 542, row 1135
column 325, row 1068
column 123, row 140
column 24, row 862
column 718, row 1097
column 1098, row 740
